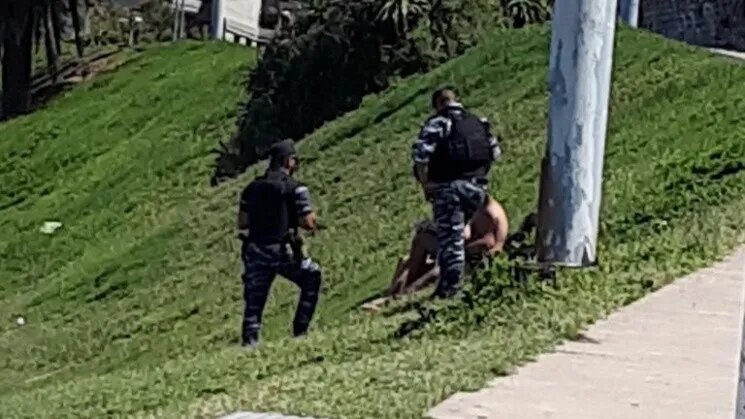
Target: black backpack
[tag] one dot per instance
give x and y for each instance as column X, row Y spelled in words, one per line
column 465, row 153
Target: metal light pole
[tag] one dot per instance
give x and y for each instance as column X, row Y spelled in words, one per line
column 740, row 398
column 629, row 12
column 218, row 19
column 572, row 169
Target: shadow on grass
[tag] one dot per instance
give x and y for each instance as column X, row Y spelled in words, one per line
column 71, row 72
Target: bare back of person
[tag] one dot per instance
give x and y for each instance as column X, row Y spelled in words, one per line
column 484, row 235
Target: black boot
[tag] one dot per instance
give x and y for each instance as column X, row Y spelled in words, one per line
column 445, row 290
column 250, row 338
column 299, row 330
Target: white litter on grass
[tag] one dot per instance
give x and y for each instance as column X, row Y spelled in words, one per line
column 49, row 227
column 20, row 321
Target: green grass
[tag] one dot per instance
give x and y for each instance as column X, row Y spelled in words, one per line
column 134, row 306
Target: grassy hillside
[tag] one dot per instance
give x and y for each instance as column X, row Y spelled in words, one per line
column 133, row 307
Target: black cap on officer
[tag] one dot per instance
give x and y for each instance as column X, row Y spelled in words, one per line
column 282, row 150
column 279, row 152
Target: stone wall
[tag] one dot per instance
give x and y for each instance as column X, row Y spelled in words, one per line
column 714, row 23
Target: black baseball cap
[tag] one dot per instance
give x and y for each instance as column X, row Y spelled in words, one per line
column 282, row 150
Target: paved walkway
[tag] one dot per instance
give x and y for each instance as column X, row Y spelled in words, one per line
column 673, row 354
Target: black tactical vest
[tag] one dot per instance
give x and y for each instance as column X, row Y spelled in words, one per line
column 465, row 153
column 272, row 213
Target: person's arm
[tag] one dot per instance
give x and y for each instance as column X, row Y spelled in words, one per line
column 432, row 131
column 242, row 223
column 306, row 216
column 398, row 283
column 425, row 280
column 420, row 171
column 496, row 150
column 422, row 246
column 484, row 244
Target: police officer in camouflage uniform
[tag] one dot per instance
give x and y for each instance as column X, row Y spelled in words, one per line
column 452, row 157
column 272, row 207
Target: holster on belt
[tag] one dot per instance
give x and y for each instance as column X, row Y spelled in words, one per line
column 296, row 246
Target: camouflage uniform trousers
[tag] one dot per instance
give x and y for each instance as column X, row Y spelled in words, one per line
column 454, row 203
column 262, row 263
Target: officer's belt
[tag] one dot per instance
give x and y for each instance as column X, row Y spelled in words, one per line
column 481, row 181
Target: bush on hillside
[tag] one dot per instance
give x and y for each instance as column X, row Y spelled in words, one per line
column 524, row 12
column 339, row 51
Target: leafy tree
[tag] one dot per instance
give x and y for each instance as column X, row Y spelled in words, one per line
column 524, row 12
column 397, row 12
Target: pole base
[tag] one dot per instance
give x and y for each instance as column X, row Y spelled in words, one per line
column 568, row 265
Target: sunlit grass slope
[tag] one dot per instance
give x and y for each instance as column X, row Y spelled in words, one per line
column 133, row 307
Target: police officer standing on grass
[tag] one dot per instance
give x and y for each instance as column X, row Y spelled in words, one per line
column 272, row 207
column 452, row 157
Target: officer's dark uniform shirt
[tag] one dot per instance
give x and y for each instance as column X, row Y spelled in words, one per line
column 436, row 129
column 263, row 215
column 274, row 203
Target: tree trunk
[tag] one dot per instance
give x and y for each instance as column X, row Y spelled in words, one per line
column 3, row 12
column 38, row 34
column 16, row 61
column 56, row 26
column 49, row 47
column 75, row 15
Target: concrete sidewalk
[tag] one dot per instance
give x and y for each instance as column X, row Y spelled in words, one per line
column 673, row 354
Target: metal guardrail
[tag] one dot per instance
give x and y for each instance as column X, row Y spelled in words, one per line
column 260, row 37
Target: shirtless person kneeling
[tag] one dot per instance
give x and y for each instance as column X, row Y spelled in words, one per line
column 484, row 236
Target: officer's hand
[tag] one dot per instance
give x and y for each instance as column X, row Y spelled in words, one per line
column 428, row 190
